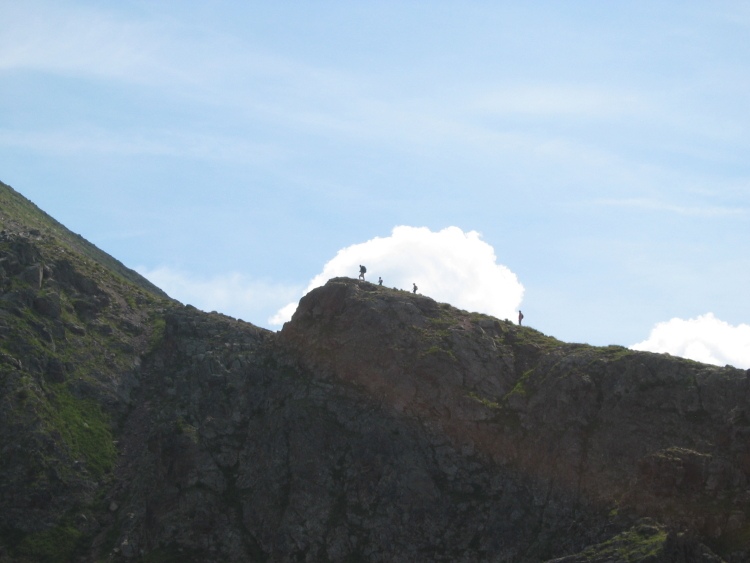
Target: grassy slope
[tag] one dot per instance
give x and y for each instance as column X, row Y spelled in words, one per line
column 69, row 350
column 18, row 214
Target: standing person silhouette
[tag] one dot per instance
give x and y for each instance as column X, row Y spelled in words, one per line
column 520, row 317
column 362, row 271
column 415, row 288
column 380, row 280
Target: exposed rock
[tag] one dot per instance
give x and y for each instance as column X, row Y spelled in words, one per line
column 378, row 425
column 48, row 305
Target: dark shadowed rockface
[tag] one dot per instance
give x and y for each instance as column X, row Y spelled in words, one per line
column 378, row 425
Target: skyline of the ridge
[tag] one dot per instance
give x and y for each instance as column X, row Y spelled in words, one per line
column 582, row 162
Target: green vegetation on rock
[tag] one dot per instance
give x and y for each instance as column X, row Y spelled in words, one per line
column 157, row 332
column 531, row 337
column 637, row 544
column 18, row 213
column 56, row 545
column 133, row 428
column 84, row 428
column 521, row 387
column 485, row 401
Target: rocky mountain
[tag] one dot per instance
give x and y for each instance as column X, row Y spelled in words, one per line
column 377, row 425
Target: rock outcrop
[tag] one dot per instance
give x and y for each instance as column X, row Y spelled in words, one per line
column 377, row 425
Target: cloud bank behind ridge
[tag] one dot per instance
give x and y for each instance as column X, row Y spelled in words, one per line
column 703, row 339
column 449, row 265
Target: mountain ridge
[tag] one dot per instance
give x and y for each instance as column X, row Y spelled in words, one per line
column 19, row 214
column 376, row 425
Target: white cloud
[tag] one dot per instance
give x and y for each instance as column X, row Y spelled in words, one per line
column 450, row 266
column 232, row 294
column 704, row 339
column 283, row 314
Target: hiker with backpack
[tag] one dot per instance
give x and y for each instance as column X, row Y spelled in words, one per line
column 362, row 271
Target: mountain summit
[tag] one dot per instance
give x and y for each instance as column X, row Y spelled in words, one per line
column 377, row 425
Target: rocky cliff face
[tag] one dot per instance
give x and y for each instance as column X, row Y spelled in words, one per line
column 590, row 439
column 378, row 425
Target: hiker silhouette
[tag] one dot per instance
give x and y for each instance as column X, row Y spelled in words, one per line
column 362, row 271
column 415, row 288
column 520, row 317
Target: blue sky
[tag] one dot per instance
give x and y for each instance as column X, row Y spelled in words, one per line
column 231, row 151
